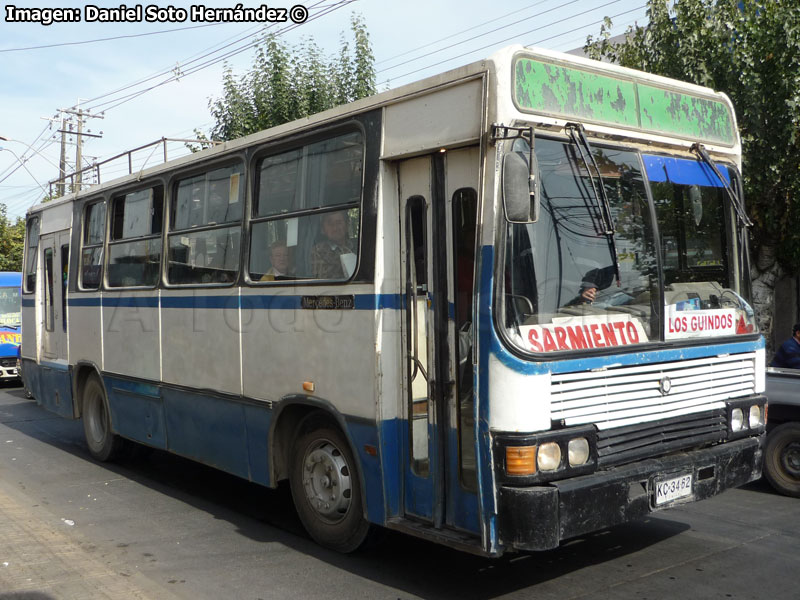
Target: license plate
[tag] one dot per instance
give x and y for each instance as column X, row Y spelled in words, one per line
column 672, row 489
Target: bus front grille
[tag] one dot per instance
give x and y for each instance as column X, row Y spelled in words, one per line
column 635, row 442
column 619, row 397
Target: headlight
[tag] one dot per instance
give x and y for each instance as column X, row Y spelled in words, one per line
column 549, row 456
column 578, row 451
column 737, row 419
column 756, row 418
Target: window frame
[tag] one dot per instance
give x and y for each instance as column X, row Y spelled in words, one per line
column 656, row 341
column 83, row 245
column 31, row 252
column 132, row 240
column 253, row 220
column 168, row 232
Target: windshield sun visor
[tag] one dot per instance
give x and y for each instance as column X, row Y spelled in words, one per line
column 683, row 171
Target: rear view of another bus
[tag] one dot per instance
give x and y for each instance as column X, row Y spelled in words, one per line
column 10, row 324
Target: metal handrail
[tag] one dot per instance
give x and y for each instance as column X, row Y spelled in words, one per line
column 71, row 178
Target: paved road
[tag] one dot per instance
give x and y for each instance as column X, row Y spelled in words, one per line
column 160, row 527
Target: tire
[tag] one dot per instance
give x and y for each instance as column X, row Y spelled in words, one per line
column 782, row 459
column 103, row 444
column 325, row 487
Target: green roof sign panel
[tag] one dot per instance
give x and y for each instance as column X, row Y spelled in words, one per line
column 672, row 112
column 562, row 91
column 558, row 90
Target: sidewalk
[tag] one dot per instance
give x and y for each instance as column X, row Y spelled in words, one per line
column 42, row 558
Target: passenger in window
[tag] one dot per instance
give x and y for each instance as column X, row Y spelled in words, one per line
column 279, row 259
column 333, row 257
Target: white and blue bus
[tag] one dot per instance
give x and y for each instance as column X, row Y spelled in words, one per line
column 498, row 308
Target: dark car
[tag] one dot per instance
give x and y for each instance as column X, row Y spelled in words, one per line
column 782, row 456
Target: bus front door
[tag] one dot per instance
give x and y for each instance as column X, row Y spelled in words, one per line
column 435, row 214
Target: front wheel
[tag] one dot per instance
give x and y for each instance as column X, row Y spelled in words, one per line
column 325, row 487
column 103, row 444
column 782, row 459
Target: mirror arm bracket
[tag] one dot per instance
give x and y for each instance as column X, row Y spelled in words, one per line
column 502, row 132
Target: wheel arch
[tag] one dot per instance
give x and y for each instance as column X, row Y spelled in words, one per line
column 780, row 413
column 82, row 371
column 290, row 415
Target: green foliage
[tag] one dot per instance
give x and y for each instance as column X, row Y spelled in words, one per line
column 289, row 83
column 752, row 53
column 12, row 237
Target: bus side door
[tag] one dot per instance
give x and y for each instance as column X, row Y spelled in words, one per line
column 53, row 301
column 438, row 196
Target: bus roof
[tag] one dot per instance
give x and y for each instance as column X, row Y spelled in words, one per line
column 588, row 77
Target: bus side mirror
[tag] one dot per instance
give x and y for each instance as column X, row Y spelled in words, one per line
column 521, row 188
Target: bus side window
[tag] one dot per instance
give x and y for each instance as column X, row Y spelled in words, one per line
column 465, row 206
column 307, row 208
column 94, row 225
column 49, row 308
column 212, row 203
column 134, row 251
column 64, row 281
column 33, row 248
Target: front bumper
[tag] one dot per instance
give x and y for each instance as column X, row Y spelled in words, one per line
column 9, row 373
column 540, row 517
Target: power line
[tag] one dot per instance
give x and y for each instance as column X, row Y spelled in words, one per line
column 581, row 27
column 326, row 10
column 515, row 13
column 173, row 76
column 517, row 36
column 108, row 39
column 475, row 37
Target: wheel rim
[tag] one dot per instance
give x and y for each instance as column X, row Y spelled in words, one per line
column 790, row 459
column 96, row 418
column 326, row 481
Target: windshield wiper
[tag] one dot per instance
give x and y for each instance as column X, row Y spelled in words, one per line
column 578, row 137
column 735, row 198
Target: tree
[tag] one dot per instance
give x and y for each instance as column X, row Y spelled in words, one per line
column 750, row 51
column 289, row 83
column 12, row 237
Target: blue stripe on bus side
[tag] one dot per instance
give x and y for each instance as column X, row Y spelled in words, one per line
column 262, row 301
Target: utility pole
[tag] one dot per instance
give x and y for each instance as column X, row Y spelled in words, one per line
column 62, row 165
column 81, row 115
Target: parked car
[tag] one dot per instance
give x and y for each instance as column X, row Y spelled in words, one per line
column 782, row 456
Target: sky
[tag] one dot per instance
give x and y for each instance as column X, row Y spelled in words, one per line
column 47, row 68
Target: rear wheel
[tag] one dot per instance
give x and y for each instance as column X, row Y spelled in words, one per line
column 782, row 460
column 325, row 487
column 103, row 444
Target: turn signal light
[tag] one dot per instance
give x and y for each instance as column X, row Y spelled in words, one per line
column 521, row 460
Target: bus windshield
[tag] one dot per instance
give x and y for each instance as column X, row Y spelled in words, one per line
column 570, row 284
column 10, row 307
